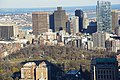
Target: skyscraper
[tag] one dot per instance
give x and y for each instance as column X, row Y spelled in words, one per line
column 119, row 22
column 80, row 14
column 60, row 19
column 85, row 21
column 114, row 19
column 75, row 23
column 68, row 26
column 51, row 22
column 104, row 18
column 40, row 21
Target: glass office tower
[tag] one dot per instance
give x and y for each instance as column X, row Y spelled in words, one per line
column 104, row 18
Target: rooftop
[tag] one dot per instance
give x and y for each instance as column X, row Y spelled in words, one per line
column 40, row 13
column 72, row 71
column 30, row 64
column 105, row 60
column 7, row 24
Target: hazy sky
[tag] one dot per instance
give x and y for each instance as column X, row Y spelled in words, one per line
column 48, row 3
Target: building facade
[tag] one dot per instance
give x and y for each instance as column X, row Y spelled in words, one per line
column 92, row 27
column 114, row 19
column 99, row 39
column 104, row 18
column 119, row 22
column 104, row 69
column 7, row 31
column 85, row 21
column 40, row 21
column 60, row 19
column 80, row 14
column 28, row 70
column 75, row 24
column 112, row 45
column 41, row 70
column 68, row 26
column 117, row 31
column 51, row 22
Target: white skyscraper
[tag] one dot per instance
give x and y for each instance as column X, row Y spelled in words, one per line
column 75, row 24
column 104, row 18
column 85, row 21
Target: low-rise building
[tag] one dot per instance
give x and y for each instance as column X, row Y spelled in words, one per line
column 104, row 69
column 41, row 70
column 28, row 71
column 112, row 45
column 7, row 31
column 73, row 75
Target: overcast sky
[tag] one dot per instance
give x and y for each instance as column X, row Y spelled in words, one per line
column 48, row 3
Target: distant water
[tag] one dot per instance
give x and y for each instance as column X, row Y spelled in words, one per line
column 70, row 10
column 26, row 28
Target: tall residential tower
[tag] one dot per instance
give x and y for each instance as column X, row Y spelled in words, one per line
column 114, row 19
column 104, row 18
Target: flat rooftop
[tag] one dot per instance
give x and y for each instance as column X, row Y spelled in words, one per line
column 7, row 24
column 40, row 13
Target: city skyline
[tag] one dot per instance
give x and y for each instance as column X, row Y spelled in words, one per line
column 48, row 3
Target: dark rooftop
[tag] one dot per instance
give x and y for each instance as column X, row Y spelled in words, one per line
column 72, row 71
column 105, row 60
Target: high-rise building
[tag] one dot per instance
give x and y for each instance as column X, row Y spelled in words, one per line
column 7, row 31
column 80, row 14
column 60, row 19
column 117, row 31
column 104, row 69
column 85, row 21
column 114, row 19
column 68, row 26
column 75, row 23
column 92, row 27
column 51, row 22
column 119, row 22
column 104, row 18
column 99, row 39
column 40, row 21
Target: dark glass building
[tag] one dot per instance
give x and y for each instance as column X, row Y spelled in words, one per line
column 51, row 22
column 92, row 27
column 68, row 29
column 104, row 69
column 80, row 14
column 119, row 21
column 74, row 75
